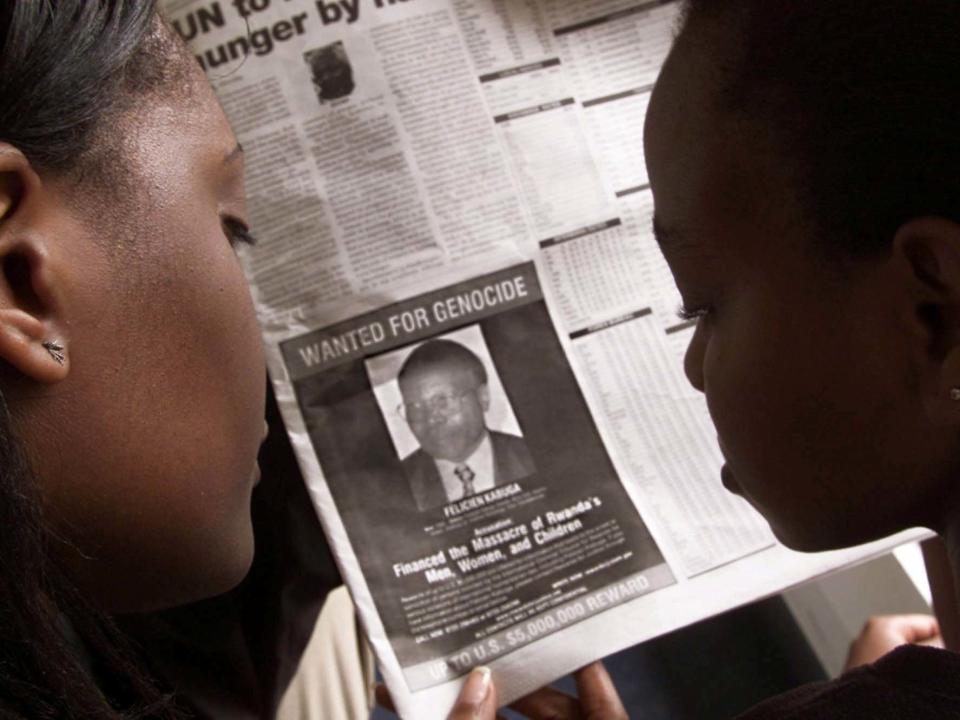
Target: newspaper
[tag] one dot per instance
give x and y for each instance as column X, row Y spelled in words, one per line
column 472, row 334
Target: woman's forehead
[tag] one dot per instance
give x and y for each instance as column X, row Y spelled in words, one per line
column 175, row 134
column 713, row 171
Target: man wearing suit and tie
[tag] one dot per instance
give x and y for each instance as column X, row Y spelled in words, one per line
column 445, row 397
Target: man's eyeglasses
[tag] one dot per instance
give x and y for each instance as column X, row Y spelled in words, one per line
column 439, row 404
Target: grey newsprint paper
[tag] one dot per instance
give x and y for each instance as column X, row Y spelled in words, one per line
column 471, row 331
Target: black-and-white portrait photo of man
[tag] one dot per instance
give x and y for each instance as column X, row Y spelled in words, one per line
column 446, row 397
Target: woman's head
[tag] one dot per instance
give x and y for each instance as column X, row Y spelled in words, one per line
column 121, row 195
column 803, row 161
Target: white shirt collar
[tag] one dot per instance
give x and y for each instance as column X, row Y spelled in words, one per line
column 480, row 462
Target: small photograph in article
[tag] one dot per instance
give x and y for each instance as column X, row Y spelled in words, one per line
column 477, row 494
column 450, row 418
column 330, row 71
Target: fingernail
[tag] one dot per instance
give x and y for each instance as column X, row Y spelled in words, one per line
column 477, row 687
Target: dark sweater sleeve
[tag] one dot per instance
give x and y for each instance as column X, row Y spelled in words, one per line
column 910, row 683
column 234, row 655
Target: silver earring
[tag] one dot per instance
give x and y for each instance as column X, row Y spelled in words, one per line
column 955, row 394
column 56, row 351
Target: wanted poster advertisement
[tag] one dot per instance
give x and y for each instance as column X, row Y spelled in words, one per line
column 469, row 474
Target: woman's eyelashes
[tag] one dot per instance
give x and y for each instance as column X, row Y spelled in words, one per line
column 238, row 233
column 685, row 312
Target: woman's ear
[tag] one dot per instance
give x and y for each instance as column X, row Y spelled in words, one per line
column 931, row 249
column 31, row 337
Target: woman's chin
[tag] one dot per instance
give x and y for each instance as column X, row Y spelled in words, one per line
column 199, row 574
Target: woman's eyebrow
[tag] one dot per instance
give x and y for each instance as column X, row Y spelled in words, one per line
column 678, row 241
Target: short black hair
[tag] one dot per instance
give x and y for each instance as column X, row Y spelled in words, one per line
column 862, row 98
column 442, row 354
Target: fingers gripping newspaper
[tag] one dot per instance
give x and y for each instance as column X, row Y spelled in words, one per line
column 472, row 333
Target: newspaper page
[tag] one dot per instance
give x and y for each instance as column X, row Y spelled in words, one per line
column 472, row 334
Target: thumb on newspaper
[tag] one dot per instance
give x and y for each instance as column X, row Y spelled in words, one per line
column 477, row 699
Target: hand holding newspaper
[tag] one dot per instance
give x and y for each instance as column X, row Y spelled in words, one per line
column 471, row 331
column 596, row 697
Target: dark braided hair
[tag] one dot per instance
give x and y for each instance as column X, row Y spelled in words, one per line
column 66, row 67
column 862, row 98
